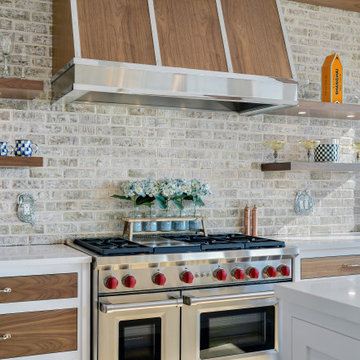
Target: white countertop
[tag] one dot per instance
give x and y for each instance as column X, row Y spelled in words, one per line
column 46, row 254
column 321, row 241
column 339, row 297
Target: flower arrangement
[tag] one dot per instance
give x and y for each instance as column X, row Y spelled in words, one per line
column 147, row 192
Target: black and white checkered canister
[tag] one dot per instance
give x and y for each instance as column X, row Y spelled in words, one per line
column 326, row 152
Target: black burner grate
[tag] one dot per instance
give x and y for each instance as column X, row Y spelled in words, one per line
column 170, row 244
column 113, row 246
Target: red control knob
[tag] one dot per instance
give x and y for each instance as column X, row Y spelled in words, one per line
column 238, row 274
column 220, row 274
column 159, row 279
column 129, row 281
column 253, row 273
column 187, row 277
column 284, row 270
column 269, row 271
column 111, row 282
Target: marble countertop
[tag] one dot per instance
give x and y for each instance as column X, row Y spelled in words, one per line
column 337, row 297
column 46, row 254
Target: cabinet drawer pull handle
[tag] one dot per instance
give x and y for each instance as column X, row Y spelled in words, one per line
column 347, row 266
column 5, row 337
column 6, row 290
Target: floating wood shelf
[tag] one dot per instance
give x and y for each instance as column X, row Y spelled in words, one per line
column 12, row 161
column 351, row 5
column 322, row 110
column 310, row 166
column 14, row 88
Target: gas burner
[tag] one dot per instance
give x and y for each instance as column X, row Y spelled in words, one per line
column 113, row 246
column 228, row 241
column 172, row 244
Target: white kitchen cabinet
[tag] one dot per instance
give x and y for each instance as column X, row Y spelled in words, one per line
column 313, row 342
column 320, row 319
column 44, row 303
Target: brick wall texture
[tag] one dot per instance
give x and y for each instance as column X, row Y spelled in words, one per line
column 90, row 150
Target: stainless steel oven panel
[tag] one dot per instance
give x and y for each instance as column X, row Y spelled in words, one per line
column 113, row 310
column 224, row 299
column 203, row 274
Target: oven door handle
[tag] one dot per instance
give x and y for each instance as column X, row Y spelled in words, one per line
column 189, row 300
column 106, row 308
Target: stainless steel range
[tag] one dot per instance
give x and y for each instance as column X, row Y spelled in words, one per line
column 187, row 297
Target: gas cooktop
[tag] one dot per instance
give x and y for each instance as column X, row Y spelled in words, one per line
column 169, row 244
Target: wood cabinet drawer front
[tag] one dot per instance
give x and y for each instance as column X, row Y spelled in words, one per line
column 38, row 287
column 330, row 266
column 36, row 333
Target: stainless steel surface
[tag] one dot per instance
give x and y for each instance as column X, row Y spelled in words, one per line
column 221, row 257
column 190, row 334
column 189, row 300
column 170, row 324
column 350, row 266
column 224, row 36
column 106, row 308
column 154, row 32
column 5, row 337
column 75, row 28
column 6, row 290
column 106, row 81
column 203, row 273
column 205, row 293
column 286, row 39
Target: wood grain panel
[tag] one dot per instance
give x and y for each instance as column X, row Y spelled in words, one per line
column 63, row 43
column 116, row 30
column 255, row 38
column 14, row 88
column 329, row 266
column 189, row 34
column 351, row 5
column 35, row 333
column 16, row 161
column 310, row 166
column 39, row 287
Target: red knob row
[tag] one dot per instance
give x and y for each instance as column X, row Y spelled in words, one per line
column 187, row 277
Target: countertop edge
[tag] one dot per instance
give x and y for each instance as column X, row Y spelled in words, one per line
column 42, row 255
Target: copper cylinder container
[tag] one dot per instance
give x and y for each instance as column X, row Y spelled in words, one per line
column 254, row 221
column 247, row 220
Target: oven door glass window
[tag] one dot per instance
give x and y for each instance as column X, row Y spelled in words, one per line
column 140, row 339
column 237, row 332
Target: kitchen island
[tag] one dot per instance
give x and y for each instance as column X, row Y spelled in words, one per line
column 320, row 319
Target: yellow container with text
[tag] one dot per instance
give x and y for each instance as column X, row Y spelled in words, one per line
column 332, row 79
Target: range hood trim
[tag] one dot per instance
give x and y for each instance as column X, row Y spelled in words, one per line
column 164, row 69
column 85, row 76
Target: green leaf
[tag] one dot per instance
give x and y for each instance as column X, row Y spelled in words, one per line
column 179, row 197
column 143, row 200
column 121, row 197
column 148, row 204
column 189, row 197
column 161, row 202
column 179, row 205
column 198, row 201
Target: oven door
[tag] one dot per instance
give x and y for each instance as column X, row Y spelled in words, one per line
column 227, row 324
column 139, row 327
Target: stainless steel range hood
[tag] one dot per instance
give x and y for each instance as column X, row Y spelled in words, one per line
column 112, row 82
column 82, row 76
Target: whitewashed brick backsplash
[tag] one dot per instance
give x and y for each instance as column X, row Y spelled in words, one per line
column 89, row 150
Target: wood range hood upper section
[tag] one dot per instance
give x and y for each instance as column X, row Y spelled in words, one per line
column 208, row 54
